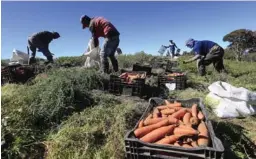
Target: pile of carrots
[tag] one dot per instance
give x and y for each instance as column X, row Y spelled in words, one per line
column 130, row 76
column 172, row 124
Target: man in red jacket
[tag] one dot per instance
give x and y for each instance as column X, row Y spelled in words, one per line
column 100, row 27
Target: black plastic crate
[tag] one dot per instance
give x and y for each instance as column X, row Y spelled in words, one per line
column 137, row 67
column 180, row 80
column 117, row 85
column 137, row 149
column 171, row 65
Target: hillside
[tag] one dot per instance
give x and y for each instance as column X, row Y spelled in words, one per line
column 65, row 115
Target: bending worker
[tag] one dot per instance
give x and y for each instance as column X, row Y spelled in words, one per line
column 206, row 52
column 100, row 27
column 41, row 42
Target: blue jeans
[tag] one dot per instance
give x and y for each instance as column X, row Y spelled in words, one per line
column 108, row 50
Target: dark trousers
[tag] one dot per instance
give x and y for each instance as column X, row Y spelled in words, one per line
column 215, row 56
column 108, row 50
column 33, row 45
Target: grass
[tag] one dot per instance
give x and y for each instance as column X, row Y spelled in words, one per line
column 61, row 114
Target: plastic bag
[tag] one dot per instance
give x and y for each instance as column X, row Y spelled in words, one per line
column 229, row 101
column 19, row 56
column 93, row 55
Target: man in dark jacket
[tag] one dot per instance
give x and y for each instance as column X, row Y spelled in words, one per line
column 100, row 27
column 206, row 52
column 41, row 42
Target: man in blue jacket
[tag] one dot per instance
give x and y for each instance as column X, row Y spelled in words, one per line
column 206, row 52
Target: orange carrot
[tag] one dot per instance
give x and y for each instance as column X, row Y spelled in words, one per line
column 203, row 131
column 172, row 120
column 161, row 107
column 189, row 110
column 172, row 105
column 186, row 118
column 147, row 129
column 185, row 126
column 194, row 121
column 194, row 110
column 140, row 124
column 185, row 131
column 164, row 116
column 148, row 117
column 176, row 144
column 168, row 139
column 202, row 141
column 177, row 108
column 167, row 111
column 152, row 121
column 186, row 146
column 200, row 115
column 158, row 134
column 194, row 144
column 179, row 113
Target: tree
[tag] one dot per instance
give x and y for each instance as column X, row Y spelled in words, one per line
column 240, row 40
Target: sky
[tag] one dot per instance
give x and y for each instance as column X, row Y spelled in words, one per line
column 144, row 26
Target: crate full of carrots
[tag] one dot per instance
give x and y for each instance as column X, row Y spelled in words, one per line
column 174, row 129
column 179, row 78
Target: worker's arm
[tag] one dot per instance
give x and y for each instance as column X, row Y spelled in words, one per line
column 193, row 59
column 94, row 37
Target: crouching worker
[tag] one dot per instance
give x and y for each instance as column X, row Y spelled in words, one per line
column 41, row 42
column 100, row 27
column 206, row 52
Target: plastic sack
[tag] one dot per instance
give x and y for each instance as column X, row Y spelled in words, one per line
column 19, row 56
column 226, row 90
column 228, row 101
column 170, row 86
column 93, row 55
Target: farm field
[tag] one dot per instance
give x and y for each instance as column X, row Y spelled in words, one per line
column 65, row 114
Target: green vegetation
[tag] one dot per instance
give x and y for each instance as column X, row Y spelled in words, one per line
column 61, row 116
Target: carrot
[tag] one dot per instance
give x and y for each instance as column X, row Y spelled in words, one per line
column 148, row 117
column 203, row 131
column 168, row 139
column 186, row 146
column 185, row 131
column 177, row 108
column 185, row 126
column 176, row 144
column 172, row 105
column 179, row 113
column 194, row 121
column 156, row 113
column 152, row 121
column 200, row 115
column 147, row 129
column 164, row 116
column 202, row 141
column 158, row 133
column 189, row 110
column 194, row 110
column 167, row 111
column 141, row 124
column 186, row 118
column 172, row 120
column 161, row 107
column 194, row 144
